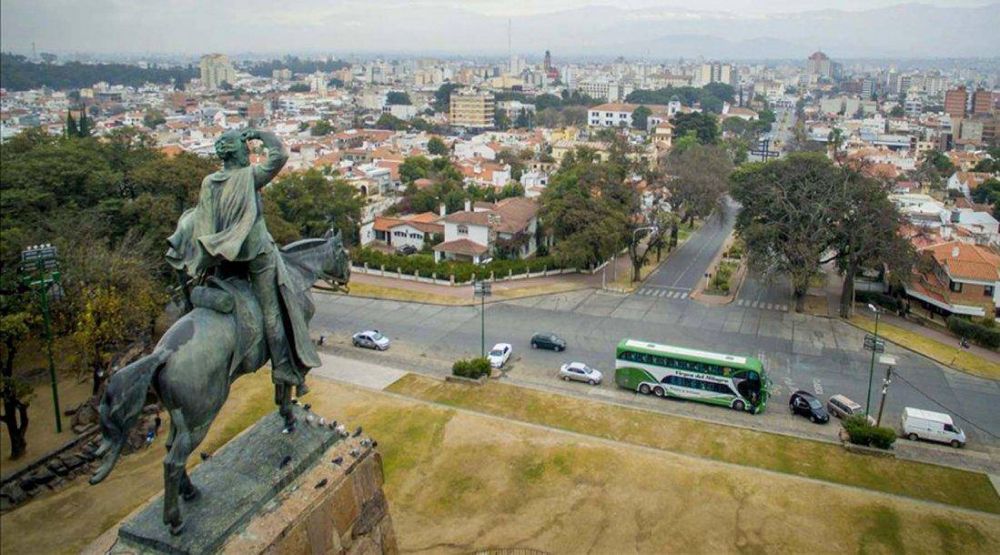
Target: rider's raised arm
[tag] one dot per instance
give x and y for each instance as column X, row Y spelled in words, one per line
column 277, row 155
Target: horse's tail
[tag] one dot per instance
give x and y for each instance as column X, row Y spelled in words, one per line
column 121, row 405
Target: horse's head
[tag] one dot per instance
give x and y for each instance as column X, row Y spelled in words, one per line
column 336, row 268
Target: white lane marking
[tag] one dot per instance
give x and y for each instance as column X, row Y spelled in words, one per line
column 770, row 306
column 784, row 308
column 684, row 295
column 755, row 303
column 817, row 387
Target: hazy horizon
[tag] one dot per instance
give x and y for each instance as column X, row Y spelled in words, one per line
column 655, row 29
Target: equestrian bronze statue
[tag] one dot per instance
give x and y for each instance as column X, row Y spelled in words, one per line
column 251, row 304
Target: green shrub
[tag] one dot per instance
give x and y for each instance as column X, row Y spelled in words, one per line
column 880, row 299
column 463, row 271
column 988, row 337
column 471, row 368
column 860, row 432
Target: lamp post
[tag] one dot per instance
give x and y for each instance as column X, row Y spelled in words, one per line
column 889, row 361
column 871, row 367
column 40, row 273
column 482, row 289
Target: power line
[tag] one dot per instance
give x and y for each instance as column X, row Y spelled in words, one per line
column 944, row 406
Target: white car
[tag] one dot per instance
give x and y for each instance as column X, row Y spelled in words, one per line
column 500, row 354
column 370, row 339
column 580, row 372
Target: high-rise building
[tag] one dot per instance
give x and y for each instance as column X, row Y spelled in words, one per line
column 216, row 70
column 955, row 102
column 547, row 64
column 471, row 109
column 317, row 83
column 819, row 64
column 982, row 102
column 715, row 72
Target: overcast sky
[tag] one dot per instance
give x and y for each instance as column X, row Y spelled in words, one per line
column 268, row 26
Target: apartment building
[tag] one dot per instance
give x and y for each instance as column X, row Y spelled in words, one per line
column 216, row 70
column 472, row 109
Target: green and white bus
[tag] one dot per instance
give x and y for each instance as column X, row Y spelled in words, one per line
column 665, row 371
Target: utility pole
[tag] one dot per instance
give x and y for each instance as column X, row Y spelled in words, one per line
column 885, row 387
column 871, row 367
column 482, row 289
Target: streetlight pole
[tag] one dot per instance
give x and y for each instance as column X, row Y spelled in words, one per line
column 40, row 269
column 871, row 367
column 889, row 362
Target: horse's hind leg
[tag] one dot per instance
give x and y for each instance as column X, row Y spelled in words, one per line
column 187, row 489
column 173, row 472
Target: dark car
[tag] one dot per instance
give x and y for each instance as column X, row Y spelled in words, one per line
column 551, row 341
column 406, row 250
column 805, row 404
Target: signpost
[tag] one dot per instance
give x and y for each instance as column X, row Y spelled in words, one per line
column 482, row 289
column 874, row 344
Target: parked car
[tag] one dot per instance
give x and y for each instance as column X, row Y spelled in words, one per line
column 933, row 426
column 371, row 339
column 842, row 407
column 580, row 372
column 545, row 340
column 406, row 250
column 806, row 404
column 500, row 354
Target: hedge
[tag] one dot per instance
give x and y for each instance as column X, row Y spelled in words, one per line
column 988, row 337
column 860, row 432
column 881, row 299
column 463, row 271
column 471, row 368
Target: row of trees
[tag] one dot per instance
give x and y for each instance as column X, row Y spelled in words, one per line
column 710, row 97
column 21, row 74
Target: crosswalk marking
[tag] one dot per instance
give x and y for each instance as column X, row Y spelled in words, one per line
column 770, row 306
column 660, row 293
column 740, row 302
column 672, row 294
column 684, row 295
column 755, row 303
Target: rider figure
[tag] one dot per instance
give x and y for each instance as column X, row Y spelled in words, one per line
column 230, row 227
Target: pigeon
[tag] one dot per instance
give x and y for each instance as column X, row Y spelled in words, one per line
column 310, row 419
column 332, row 425
column 205, row 456
column 289, row 429
column 338, row 460
column 342, row 430
column 284, row 462
column 374, row 444
column 307, row 406
column 295, row 401
column 322, row 422
column 354, row 452
column 321, row 483
column 356, row 432
column 366, row 443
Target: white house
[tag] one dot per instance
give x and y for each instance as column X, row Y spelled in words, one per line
column 506, row 228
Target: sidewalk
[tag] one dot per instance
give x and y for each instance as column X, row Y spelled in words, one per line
column 942, row 347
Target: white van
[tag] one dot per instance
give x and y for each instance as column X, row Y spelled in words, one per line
column 933, row 426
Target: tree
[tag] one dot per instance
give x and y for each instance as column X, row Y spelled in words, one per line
column 397, row 98
column 513, row 159
column 15, row 327
column 867, row 234
column 390, row 122
column 897, row 111
column 437, row 147
column 640, row 118
column 500, row 120
column 299, row 88
column 788, row 220
column 699, row 181
column 587, row 206
column 72, row 129
column 442, row 97
column 315, row 204
column 321, row 128
column 704, row 125
column 940, row 162
column 643, row 242
column 414, row 168
column 154, row 118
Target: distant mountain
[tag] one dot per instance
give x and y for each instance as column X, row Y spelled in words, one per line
column 902, row 31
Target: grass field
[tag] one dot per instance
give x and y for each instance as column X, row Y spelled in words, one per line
column 949, row 355
column 775, row 452
column 458, row 482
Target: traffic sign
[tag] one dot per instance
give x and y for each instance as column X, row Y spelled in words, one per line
column 483, row 288
column 874, row 344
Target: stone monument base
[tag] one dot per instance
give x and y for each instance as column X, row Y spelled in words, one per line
column 251, row 503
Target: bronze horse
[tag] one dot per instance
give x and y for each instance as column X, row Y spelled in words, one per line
column 196, row 361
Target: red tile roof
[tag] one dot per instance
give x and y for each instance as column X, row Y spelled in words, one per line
column 461, row 246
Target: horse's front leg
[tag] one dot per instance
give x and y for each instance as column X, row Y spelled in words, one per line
column 283, row 397
column 174, row 473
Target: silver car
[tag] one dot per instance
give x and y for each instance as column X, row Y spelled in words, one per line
column 580, row 372
column 371, row 339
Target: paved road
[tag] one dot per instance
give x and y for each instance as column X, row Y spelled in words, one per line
column 800, row 352
column 678, row 276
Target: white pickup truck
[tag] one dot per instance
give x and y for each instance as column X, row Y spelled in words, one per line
column 932, row 426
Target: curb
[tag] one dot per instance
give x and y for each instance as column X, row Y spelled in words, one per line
column 470, row 303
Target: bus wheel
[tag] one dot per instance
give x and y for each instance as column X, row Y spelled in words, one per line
column 739, row 405
column 644, row 389
column 658, row 391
